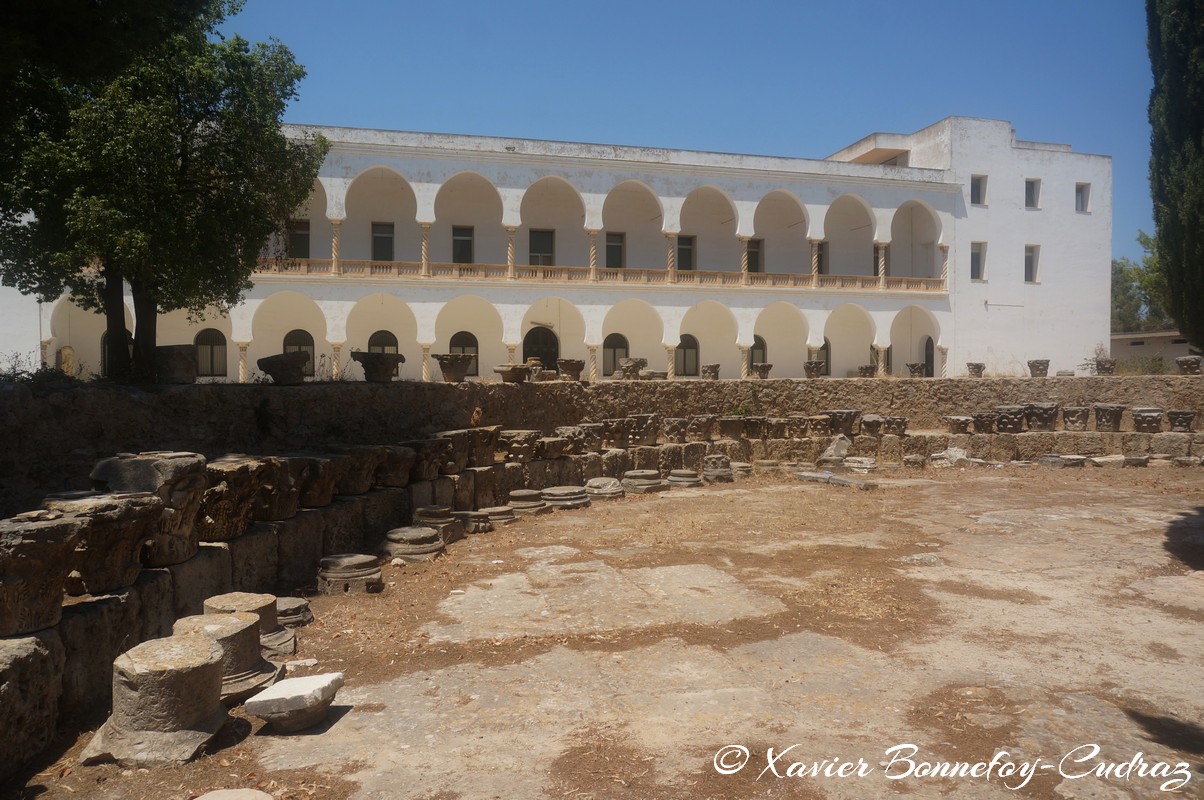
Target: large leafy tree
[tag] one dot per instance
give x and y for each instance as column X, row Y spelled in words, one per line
column 169, row 177
column 1176, row 44
column 48, row 44
column 1139, row 292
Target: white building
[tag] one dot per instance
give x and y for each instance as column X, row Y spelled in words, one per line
column 953, row 244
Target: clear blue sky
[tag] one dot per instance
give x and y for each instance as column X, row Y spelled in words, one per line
column 780, row 78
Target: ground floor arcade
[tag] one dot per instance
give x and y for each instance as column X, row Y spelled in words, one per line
column 675, row 334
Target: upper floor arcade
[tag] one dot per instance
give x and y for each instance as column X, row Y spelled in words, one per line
column 484, row 209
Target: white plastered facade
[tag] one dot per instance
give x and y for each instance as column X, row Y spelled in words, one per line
column 860, row 258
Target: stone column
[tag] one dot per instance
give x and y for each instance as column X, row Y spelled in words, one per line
column 510, row 233
column 670, row 361
column 336, row 360
column 813, row 353
column 880, row 263
column 815, row 243
column 671, row 256
column 243, row 371
column 44, row 351
column 744, row 355
column 426, row 249
column 743, row 259
column 593, row 253
column 336, row 265
column 881, row 366
column 944, row 248
column 510, row 351
column 593, row 362
column 426, row 363
column 943, row 352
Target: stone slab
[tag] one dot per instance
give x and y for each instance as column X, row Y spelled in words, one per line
column 207, row 573
column 32, row 671
column 253, row 559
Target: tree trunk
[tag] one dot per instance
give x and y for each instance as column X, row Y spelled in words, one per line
column 146, row 325
column 117, row 353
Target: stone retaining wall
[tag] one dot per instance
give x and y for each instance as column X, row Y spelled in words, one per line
column 65, row 672
column 53, row 438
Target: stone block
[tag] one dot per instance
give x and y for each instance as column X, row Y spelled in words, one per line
column 32, row 670
column 1136, row 444
column 253, row 559
column 298, row 551
column 783, row 450
column 295, row 704
column 669, row 457
column 422, row 493
column 864, row 445
column 357, row 468
column 980, row 445
column 279, row 496
column 228, row 503
column 740, row 450
column 571, row 473
column 1197, row 444
column 1175, row 445
column 615, row 462
column 692, row 456
column 383, row 510
column 463, row 491
column 511, row 476
column 484, row 482
column 1003, row 448
column 443, row 491
column 156, row 603
column 1031, row 446
column 207, row 573
column 890, row 449
column 535, row 474
column 94, row 632
column 343, row 528
column 960, row 441
column 459, row 450
column 645, row 457
column 315, row 477
column 396, row 466
column 590, row 466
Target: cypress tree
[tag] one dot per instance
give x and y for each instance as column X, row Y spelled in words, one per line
column 1176, row 45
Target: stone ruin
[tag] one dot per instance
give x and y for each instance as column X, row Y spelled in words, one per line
column 224, row 531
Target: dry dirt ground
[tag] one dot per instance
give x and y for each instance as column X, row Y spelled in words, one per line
column 648, row 647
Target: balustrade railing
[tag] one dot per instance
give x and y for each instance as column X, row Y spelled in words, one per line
column 358, row 268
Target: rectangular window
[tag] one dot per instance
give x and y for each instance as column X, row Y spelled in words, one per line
column 616, row 247
column 298, row 238
column 1082, row 197
column 685, row 252
column 978, row 260
column 462, row 244
column 1137, row 343
column 1032, row 193
column 978, row 190
column 823, row 258
column 541, row 245
column 382, row 241
column 1032, row 255
column 756, row 249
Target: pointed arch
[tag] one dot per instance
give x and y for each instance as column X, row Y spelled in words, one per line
column 469, row 201
column 850, row 233
column 780, row 223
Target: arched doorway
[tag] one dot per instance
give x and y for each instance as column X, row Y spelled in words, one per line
column 464, row 343
column 614, row 347
column 543, row 344
column 686, row 356
column 929, row 357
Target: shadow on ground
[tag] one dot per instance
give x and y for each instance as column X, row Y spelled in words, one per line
column 1185, row 538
